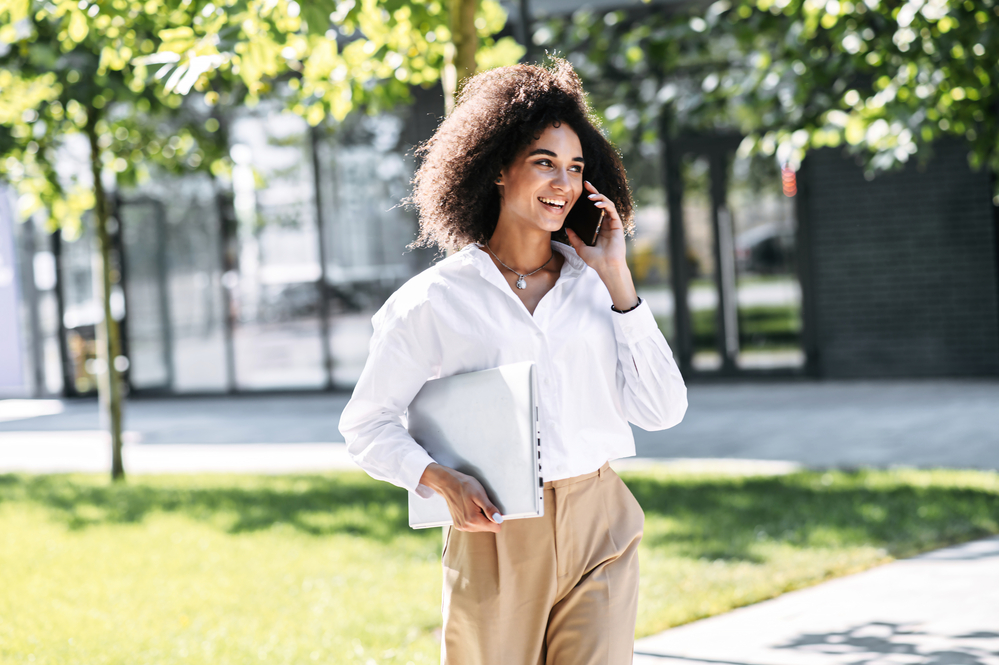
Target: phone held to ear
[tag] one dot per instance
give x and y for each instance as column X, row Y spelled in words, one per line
column 585, row 219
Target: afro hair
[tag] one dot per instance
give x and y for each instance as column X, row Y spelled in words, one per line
column 499, row 112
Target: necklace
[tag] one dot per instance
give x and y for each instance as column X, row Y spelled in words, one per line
column 521, row 281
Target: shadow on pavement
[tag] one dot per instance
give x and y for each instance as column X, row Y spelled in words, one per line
column 871, row 642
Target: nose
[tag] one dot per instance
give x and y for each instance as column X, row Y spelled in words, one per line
column 561, row 180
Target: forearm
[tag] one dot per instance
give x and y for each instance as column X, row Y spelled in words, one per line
column 438, row 478
column 620, row 285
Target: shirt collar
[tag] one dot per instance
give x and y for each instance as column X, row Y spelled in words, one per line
column 575, row 265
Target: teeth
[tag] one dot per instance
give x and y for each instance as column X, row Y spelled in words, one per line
column 553, row 202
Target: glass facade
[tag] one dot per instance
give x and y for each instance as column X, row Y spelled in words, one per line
column 81, row 309
column 47, row 356
column 768, row 293
column 270, row 288
column 147, row 325
column 702, row 268
column 649, row 249
column 195, row 292
column 269, row 282
column 742, row 306
column 275, row 285
column 366, row 233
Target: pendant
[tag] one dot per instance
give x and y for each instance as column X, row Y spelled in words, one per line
column 521, row 282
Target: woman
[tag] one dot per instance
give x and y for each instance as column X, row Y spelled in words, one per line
column 497, row 179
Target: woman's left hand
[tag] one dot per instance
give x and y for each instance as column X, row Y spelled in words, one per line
column 608, row 255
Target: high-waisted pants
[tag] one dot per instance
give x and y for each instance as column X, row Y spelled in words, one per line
column 561, row 589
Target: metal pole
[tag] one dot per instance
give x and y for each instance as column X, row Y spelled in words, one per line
column 677, row 249
column 163, row 277
column 227, row 258
column 68, row 375
column 324, row 309
column 228, row 253
column 806, row 275
column 31, row 298
column 525, row 28
column 117, row 231
column 724, row 272
column 37, row 342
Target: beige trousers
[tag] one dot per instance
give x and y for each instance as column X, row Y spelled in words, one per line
column 555, row 590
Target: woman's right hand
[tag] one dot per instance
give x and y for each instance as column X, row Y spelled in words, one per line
column 465, row 496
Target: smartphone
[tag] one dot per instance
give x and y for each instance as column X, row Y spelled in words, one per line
column 585, row 219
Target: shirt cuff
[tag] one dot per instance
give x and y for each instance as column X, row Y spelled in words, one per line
column 636, row 325
column 413, row 466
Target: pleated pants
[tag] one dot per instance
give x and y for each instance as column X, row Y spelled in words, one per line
column 561, row 589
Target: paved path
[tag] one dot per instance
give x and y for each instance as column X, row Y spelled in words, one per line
column 941, row 608
column 816, row 424
column 839, row 424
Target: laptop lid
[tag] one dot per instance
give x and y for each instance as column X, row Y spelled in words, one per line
column 484, row 424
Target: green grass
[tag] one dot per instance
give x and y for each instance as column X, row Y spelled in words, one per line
column 762, row 327
column 299, row 569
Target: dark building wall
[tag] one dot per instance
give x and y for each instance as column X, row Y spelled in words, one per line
column 903, row 268
column 425, row 115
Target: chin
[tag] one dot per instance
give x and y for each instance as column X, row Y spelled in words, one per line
column 550, row 223
column 551, row 227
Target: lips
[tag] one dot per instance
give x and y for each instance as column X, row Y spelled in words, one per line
column 556, row 205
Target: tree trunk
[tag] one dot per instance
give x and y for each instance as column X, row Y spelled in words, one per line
column 460, row 54
column 109, row 386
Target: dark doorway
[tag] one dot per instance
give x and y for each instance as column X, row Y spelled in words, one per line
column 734, row 260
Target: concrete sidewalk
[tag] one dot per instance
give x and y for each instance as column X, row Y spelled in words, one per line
column 816, row 424
column 941, row 608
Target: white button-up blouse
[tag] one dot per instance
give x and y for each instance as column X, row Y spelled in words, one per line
column 597, row 369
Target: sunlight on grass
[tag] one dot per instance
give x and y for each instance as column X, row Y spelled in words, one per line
column 712, row 544
column 296, row 569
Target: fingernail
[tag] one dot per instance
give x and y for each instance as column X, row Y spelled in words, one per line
column 497, row 518
column 592, row 196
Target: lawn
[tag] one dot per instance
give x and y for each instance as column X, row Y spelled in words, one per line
column 760, row 327
column 322, row 568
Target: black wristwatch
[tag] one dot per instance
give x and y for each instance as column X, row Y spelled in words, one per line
column 625, row 311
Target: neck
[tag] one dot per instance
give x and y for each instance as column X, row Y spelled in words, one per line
column 523, row 249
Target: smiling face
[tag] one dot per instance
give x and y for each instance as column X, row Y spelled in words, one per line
column 539, row 187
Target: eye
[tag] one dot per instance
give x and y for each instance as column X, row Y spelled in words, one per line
column 544, row 162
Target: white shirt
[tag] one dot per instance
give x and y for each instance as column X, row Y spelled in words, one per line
column 597, row 369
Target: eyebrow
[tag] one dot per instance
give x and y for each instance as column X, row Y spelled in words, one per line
column 542, row 151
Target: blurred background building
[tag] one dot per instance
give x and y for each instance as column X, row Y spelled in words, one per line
column 752, row 270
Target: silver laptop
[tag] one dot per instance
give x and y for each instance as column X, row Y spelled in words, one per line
column 484, row 424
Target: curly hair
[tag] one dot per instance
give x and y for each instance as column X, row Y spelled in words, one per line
column 498, row 113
